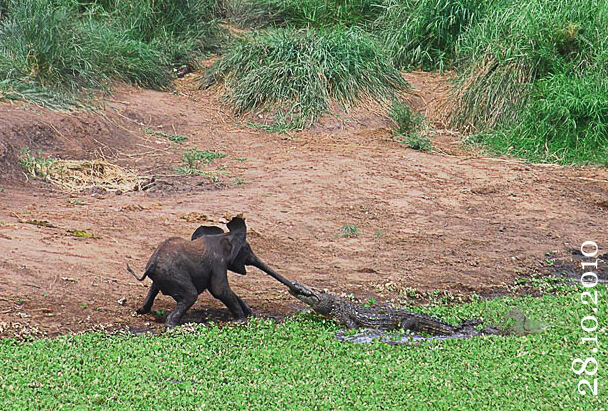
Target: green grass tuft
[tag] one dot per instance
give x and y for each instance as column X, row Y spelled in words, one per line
column 407, row 121
column 411, row 127
column 56, row 52
column 182, row 31
column 296, row 74
column 300, row 13
column 423, row 34
column 195, row 159
column 349, row 231
column 538, row 94
column 194, row 156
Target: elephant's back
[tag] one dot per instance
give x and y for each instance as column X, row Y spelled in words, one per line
column 175, row 248
column 172, row 251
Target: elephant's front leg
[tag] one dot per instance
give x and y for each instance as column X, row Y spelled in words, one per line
column 220, row 289
column 246, row 310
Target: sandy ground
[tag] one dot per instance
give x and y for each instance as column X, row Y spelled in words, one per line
column 448, row 220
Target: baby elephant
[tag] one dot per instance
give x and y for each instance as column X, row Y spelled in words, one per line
column 183, row 269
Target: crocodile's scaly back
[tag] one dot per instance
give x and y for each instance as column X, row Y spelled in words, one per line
column 384, row 318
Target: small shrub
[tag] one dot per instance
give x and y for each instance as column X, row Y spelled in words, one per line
column 349, row 231
column 35, row 164
column 410, row 127
column 418, row 141
column 195, row 159
column 295, row 74
column 407, row 120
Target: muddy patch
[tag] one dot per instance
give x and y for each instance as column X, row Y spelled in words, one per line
column 571, row 268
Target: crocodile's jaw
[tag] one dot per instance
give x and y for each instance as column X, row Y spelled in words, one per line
column 311, row 300
column 318, row 301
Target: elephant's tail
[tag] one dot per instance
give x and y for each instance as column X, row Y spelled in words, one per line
column 135, row 275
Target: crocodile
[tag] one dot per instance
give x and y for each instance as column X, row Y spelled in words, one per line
column 381, row 318
column 378, row 318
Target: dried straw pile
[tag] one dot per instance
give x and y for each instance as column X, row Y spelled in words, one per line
column 79, row 175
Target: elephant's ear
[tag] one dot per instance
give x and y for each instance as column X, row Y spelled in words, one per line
column 242, row 258
column 235, row 253
column 238, row 228
column 238, row 265
column 237, row 250
column 206, row 230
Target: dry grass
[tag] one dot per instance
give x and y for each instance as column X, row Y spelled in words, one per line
column 79, row 175
column 477, row 106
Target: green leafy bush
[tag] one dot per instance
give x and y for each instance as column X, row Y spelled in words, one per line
column 418, row 141
column 410, row 127
column 36, row 165
column 407, row 121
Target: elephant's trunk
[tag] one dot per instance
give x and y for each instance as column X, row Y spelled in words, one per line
column 256, row 262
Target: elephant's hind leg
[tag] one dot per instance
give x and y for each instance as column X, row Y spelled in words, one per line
column 185, row 299
column 147, row 305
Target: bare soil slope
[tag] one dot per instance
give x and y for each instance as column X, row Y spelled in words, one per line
column 452, row 219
